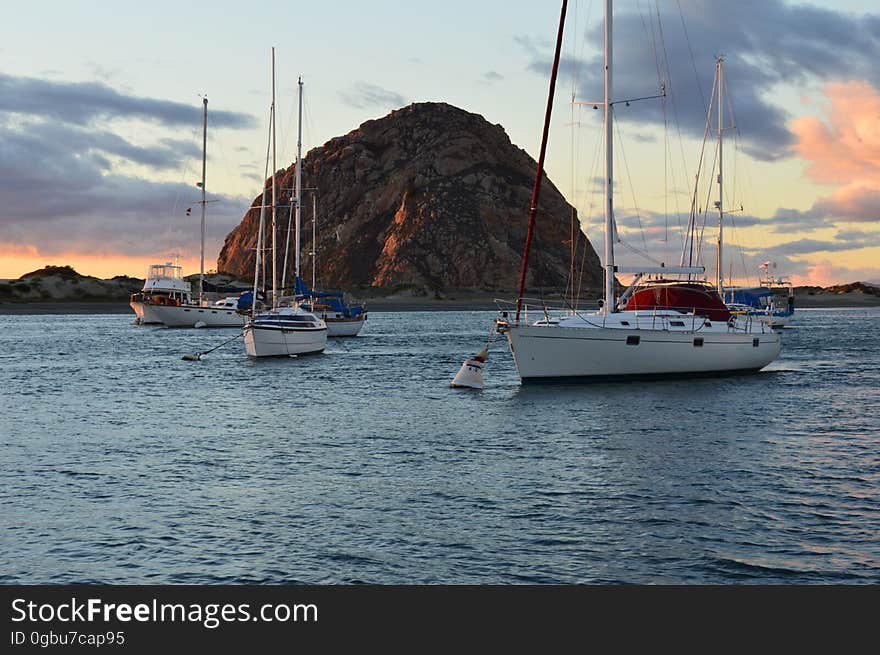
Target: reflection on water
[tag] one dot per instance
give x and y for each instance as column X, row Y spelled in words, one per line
column 125, row 464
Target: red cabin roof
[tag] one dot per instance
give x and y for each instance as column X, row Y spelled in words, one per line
column 698, row 297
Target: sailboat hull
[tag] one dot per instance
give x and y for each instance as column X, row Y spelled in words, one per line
column 344, row 327
column 545, row 353
column 263, row 341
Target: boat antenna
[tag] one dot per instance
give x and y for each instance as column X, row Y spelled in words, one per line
column 536, row 191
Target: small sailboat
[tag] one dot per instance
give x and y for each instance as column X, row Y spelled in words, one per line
column 281, row 330
column 640, row 334
column 343, row 317
column 167, row 298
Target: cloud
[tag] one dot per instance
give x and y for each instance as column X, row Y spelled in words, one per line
column 88, row 212
column 365, row 95
column 62, row 185
column 490, row 77
column 86, row 103
column 847, row 146
column 842, row 150
column 769, row 43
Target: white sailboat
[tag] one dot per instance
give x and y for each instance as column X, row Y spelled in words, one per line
column 343, row 318
column 620, row 341
column 174, row 305
column 280, row 331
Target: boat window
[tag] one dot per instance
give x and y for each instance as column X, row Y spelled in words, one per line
column 677, row 323
column 624, row 322
column 755, row 342
column 698, row 342
column 632, row 341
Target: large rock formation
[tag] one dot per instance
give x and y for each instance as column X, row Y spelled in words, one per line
column 430, row 198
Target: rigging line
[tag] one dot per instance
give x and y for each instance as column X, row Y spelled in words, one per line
column 631, row 186
column 708, row 195
column 669, row 92
column 539, row 172
column 693, row 60
column 637, row 251
column 172, row 220
column 590, row 205
column 692, row 219
column 666, row 166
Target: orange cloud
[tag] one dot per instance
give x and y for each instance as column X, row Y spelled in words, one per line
column 824, row 273
column 845, row 149
column 16, row 261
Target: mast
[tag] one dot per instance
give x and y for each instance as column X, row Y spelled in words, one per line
column 259, row 259
column 719, row 75
column 274, row 198
column 298, row 204
column 609, row 169
column 539, row 173
column 202, row 184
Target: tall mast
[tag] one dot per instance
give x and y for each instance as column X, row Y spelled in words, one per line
column 298, row 204
column 204, row 159
column 274, row 199
column 259, row 259
column 719, row 75
column 609, row 169
column 539, row 173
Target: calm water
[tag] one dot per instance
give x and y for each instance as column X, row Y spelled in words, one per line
column 121, row 463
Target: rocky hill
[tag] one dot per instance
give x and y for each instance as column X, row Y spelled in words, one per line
column 429, row 198
column 64, row 284
column 854, row 294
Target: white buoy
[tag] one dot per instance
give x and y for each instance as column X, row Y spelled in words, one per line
column 200, row 324
column 470, row 375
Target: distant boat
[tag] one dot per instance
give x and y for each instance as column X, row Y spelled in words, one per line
column 772, row 302
column 167, row 299
column 620, row 341
column 344, row 318
column 164, row 286
column 280, row 330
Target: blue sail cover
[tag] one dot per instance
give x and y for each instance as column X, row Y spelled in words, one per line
column 333, row 299
column 749, row 296
column 246, row 299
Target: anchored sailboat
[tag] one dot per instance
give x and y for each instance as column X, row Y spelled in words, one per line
column 660, row 340
column 282, row 330
column 343, row 318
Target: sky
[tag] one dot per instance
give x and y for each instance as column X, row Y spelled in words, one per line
column 100, row 118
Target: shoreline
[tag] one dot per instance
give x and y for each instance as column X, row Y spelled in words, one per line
column 398, row 304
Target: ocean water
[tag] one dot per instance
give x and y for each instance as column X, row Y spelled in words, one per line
column 122, row 463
